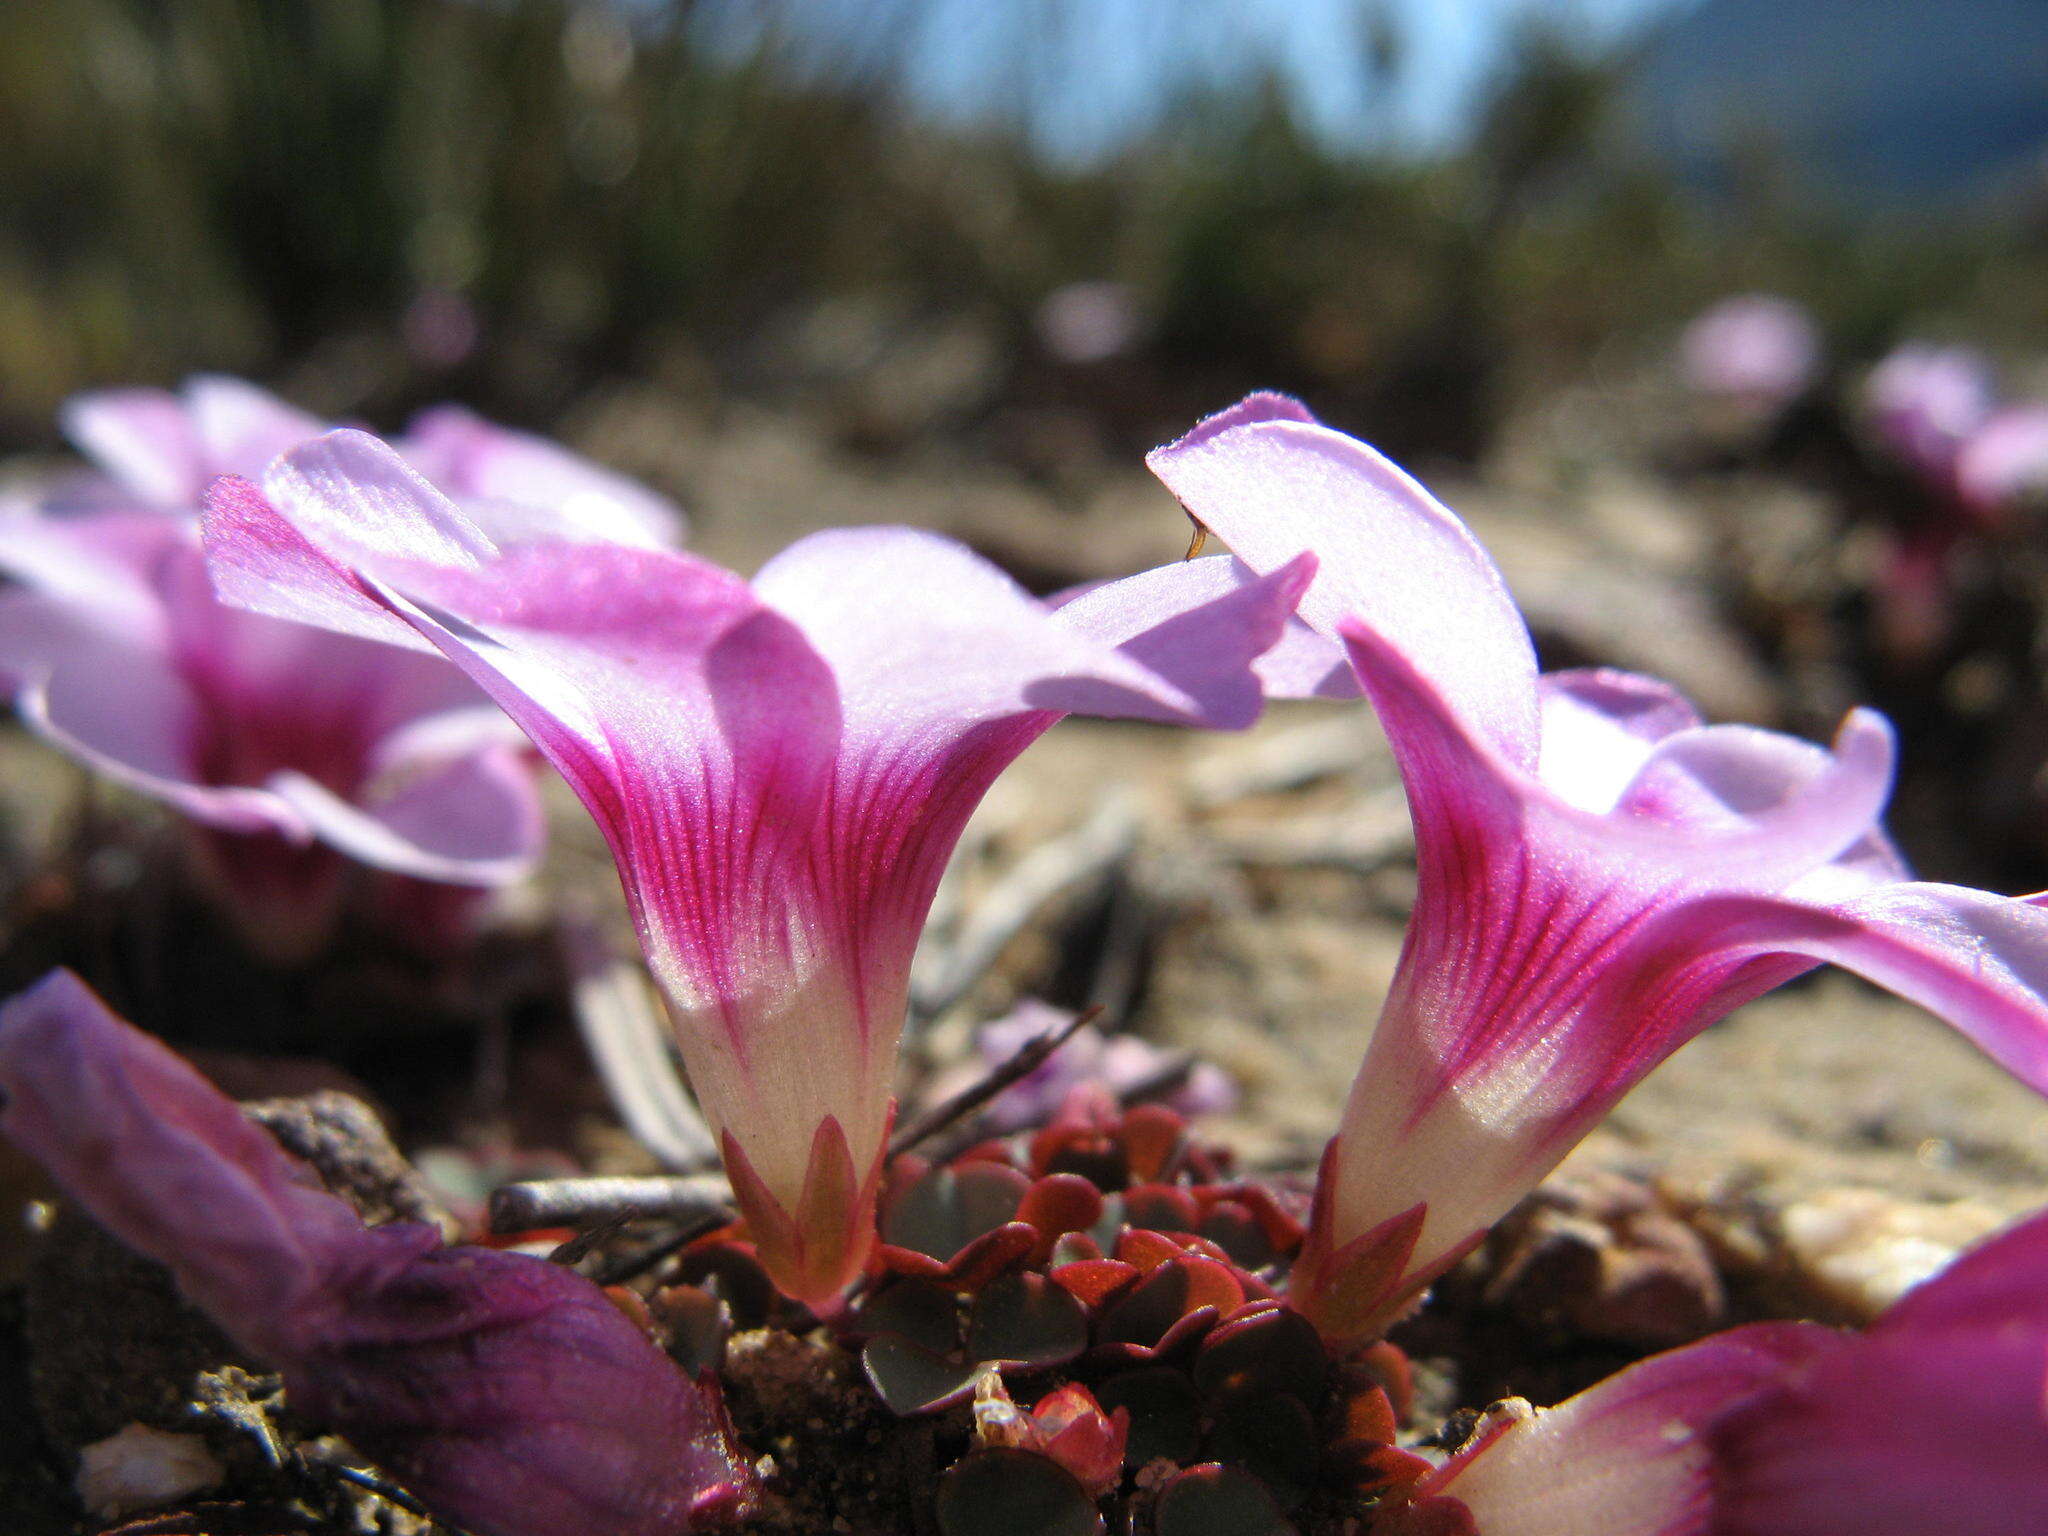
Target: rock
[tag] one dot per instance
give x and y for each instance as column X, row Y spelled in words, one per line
column 1860, row 1250
column 138, row 1467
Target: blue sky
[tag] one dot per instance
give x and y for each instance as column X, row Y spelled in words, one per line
column 1109, row 69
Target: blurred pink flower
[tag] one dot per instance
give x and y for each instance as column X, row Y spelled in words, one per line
column 1088, row 322
column 2002, row 467
column 1924, row 401
column 1755, row 347
column 158, row 449
column 287, row 746
column 1601, row 875
column 1932, row 1420
column 507, row 1393
column 1118, row 1062
column 781, row 768
column 290, row 750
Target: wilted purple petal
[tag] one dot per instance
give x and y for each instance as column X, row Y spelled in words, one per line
column 507, row 1393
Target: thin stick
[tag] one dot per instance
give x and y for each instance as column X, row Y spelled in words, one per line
column 536, row 1203
column 630, row 1266
column 1027, row 1060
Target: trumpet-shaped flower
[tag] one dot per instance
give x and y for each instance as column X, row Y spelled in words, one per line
column 506, row 1392
column 1932, row 1420
column 1601, row 875
column 780, row 768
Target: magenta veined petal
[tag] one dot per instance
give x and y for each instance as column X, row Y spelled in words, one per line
column 1934, row 1419
column 1272, row 484
column 1628, row 1457
column 1600, row 874
column 781, row 769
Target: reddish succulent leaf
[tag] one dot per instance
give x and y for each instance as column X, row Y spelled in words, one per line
column 1274, row 1437
column 1058, row 1204
column 1181, row 1338
column 1094, row 1281
column 1161, row 1207
column 1073, row 1248
column 1431, row 1517
column 990, row 1255
column 1146, row 1250
column 1387, row 1364
column 1392, row 1467
column 1151, row 1135
column 1283, row 1230
column 925, row 1313
column 1368, row 1418
column 1231, row 1226
column 945, row 1209
column 1210, row 1284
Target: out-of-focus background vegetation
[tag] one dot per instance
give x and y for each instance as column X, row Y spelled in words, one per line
column 373, row 202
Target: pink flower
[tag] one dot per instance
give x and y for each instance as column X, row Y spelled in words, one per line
column 505, row 1392
column 292, row 750
column 156, row 449
column 780, row 768
column 1931, row 1420
column 1601, row 876
column 2002, row 467
column 1117, row 1062
column 1755, row 347
column 1923, row 401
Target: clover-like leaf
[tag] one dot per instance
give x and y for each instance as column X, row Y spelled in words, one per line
column 1014, row 1493
column 1212, row 1500
column 918, row 1310
column 1263, row 1350
column 1174, row 1289
column 946, row 1208
column 911, row 1379
column 1026, row 1320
